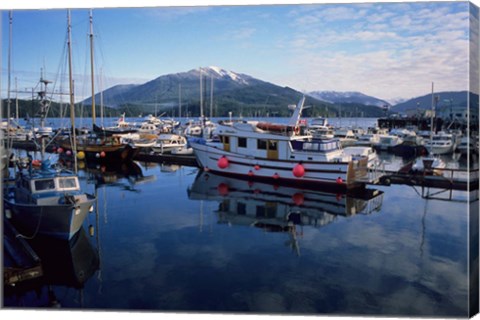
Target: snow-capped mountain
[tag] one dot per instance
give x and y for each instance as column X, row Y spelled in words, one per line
column 348, row 97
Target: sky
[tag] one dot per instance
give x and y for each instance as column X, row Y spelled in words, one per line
column 387, row 50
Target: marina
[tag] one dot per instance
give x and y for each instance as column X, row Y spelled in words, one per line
column 174, row 187
column 209, row 223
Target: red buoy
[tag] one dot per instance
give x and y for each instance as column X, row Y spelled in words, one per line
column 102, row 154
column 276, row 176
column 298, row 198
column 339, row 180
column 256, row 167
column 222, row 163
column 60, row 150
column 250, row 173
column 298, row 170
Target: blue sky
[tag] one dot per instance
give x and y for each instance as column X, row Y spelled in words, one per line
column 387, row 50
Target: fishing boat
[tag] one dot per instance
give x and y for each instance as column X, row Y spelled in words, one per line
column 47, row 201
column 121, row 127
column 387, row 142
column 100, row 147
column 347, row 136
column 441, row 143
column 167, row 142
column 281, row 153
column 320, row 129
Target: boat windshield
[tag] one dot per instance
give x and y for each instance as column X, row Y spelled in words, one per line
column 69, row 183
column 44, row 184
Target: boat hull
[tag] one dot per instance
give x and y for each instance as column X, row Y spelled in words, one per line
column 59, row 221
column 334, row 175
column 118, row 153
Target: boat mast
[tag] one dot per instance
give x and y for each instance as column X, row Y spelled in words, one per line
column 211, row 97
column 201, row 95
column 92, row 67
column 179, row 100
column 72, row 96
column 10, row 15
column 431, row 117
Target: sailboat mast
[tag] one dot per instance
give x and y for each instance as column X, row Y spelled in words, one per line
column 92, row 66
column 72, row 96
column 211, row 97
column 431, row 116
column 201, row 95
column 179, row 100
column 10, row 16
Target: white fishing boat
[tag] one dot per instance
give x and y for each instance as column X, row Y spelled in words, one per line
column 388, row 141
column 166, row 142
column 441, row 143
column 280, row 153
column 346, row 136
column 368, row 140
column 320, row 129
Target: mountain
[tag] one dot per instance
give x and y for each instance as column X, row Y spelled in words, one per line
column 241, row 94
column 348, row 97
column 446, row 99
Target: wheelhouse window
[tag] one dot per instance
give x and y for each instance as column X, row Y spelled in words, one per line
column 44, row 185
column 67, row 183
column 242, row 142
column 261, row 144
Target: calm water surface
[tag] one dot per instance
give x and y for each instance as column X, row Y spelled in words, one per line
column 169, row 238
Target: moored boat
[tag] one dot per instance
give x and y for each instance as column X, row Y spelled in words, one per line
column 280, row 153
column 47, row 201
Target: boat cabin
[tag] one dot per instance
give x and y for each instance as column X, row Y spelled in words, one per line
column 44, row 189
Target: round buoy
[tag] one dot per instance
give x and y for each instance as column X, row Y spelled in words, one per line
column 206, row 169
column 256, row 167
column 36, row 163
column 102, row 154
column 97, row 155
column 68, row 153
column 339, row 180
column 81, row 155
column 81, row 165
column 250, row 173
column 276, row 176
column 222, row 162
column 298, row 198
column 60, row 150
column 298, row 170
column 222, row 189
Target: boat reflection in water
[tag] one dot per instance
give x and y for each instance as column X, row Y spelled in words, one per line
column 277, row 208
column 65, row 264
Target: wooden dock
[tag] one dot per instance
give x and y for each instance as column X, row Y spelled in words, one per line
column 453, row 179
column 20, row 261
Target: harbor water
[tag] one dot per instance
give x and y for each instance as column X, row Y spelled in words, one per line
column 165, row 237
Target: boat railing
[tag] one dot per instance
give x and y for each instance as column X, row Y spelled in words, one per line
column 365, row 173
